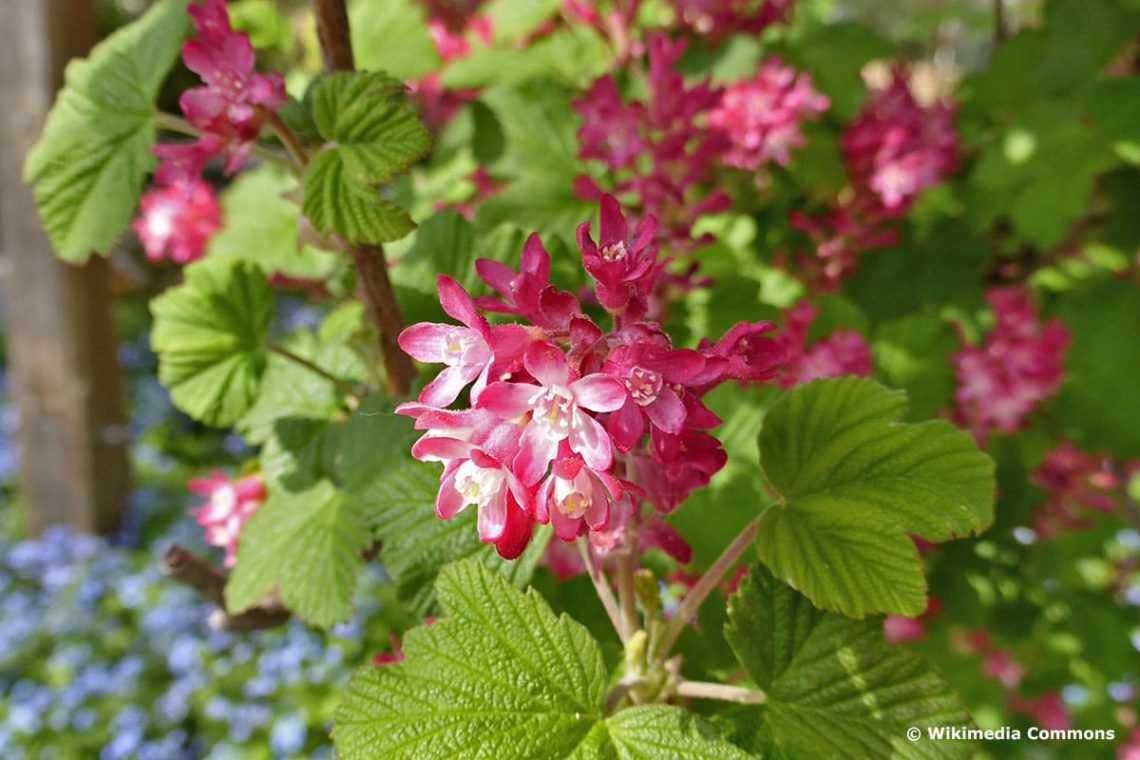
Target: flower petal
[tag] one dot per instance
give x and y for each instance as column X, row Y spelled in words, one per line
column 599, row 393
column 588, row 439
column 547, row 364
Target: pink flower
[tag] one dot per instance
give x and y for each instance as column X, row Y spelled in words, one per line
column 1131, row 750
column 1047, row 710
column 1000, row 665
column 231, row 109
column 896, row 148
column 1073, row 481
column 528, row 293
column 476, row 449
column 654, row 376
column 575, row 498
column 657, row 151
column 624, row 268
column 679, row 465
column 901, row 630
column 743, row 354
column 844, row 352
column 762, row 116
column 178, row 221
column 229, row 505
column 1019, row 365
column 558, row 410
column 467, row 351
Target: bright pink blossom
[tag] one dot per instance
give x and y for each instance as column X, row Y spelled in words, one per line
column 528, row 292
column 229, row 505
column 762, row 115
column 177, row 221
column 625, row 268
column 658, row 151
column 234, row 104
column 897, row 148
column 1019, row 365
column 558, row 408
column 653, row 375
column 467, row 351
column 1000, row 665
column 844, row 352
column 575, row 498
column 1073, row 481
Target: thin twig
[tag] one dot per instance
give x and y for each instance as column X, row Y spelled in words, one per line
column 287, row 137
column 697, row 595
column 346, row 388
column 721, row 691
column 371, row 266
column 627, row 594
column 187, row 568
column 601, row 585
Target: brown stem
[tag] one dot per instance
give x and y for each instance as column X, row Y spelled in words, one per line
column 333, row 33
column 371, row 267
column 380, row 297
column 999, row 21
column 187, row 568
column 287, row 137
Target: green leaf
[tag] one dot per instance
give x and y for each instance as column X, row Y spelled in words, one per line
column 306, row 546
column 516, row 19
column 397, row 494
column 854, row 481
column 1099, row 405
column 372, row 137
column 336, row 203
column 209, row 334
column 261, row 227
column 89, row 166
column 444, row 244
column 835, row 687
column 913, row 354
column 302, row 452
column 501, row 676
column 393, row 37
column 291, row 390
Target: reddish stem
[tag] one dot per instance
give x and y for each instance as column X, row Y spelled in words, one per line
column 371, row 266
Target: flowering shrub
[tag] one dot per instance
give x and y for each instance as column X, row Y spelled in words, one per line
column 608, row 301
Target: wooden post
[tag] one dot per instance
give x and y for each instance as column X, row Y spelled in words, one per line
column 62, row 346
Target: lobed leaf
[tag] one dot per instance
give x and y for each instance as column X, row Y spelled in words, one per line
column 91, row 162
column 854, row 482
column 500, row 676
column 305, row 546
column 835, row 688
column 209, row 334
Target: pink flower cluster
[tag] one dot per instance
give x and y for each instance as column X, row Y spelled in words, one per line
column 178, row 221
column 893, row 151
column 717, row 19
column 762, row 115
column 229, row 505
column 1073, row 481
column 179, row 217
column 233, row 105
column 570, row 424
column 452, row 31
column 896, row 148
column 1019, row 365
column 844, row 352
column 657, row 151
